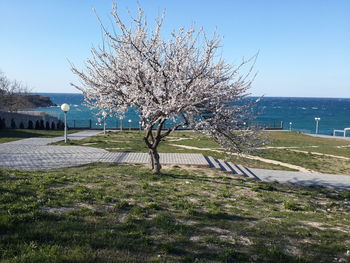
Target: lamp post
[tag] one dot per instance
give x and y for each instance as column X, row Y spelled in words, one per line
column 104, row 114
column 129, row 121
column 317, row 119
column 121, row 122
column 65, row 107
column 290, row 126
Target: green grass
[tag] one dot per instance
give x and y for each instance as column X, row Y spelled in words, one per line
column 123, row 213
column 8, row 135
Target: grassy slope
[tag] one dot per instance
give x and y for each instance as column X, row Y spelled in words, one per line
column 132, row 142
column 110, row 213
column 309, row 144
column 8, row 135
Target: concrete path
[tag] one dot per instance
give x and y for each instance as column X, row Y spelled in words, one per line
column 329, row 136
column 35, row 153
column 329, row 180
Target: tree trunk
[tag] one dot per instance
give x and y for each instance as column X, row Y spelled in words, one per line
column 155, row 164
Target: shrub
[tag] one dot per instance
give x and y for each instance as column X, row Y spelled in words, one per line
column 21, row 125
column 13, row 124
column 53, row 126
column 47, row 125
column 30, row 124
column 37, row 125
column 42, row 126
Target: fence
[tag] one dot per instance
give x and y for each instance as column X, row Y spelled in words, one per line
column 28, row 121
column 135, row 125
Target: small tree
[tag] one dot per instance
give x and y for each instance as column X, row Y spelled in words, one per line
column 41, row 126
column 30, row 124
column 37, row 125
column 13, row 124
column 181, row 80
column 12, row 95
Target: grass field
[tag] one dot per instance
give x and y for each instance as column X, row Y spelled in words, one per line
column 123, row 213
column 317, row 154
column 8, row 135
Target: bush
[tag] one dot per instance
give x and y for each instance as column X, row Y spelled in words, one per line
column 2, row 123
column 53, row 126
column 47, row 125
column 37, row 125
column 60, row 125
column 42, row 126
column 21, row 125
column 30, row 124
column 13, row 124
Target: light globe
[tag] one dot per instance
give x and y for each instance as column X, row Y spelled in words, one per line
column 65, row 107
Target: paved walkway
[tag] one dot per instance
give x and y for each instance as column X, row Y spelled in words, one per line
column 329, row 136
column 34, row 153
column 329, row 180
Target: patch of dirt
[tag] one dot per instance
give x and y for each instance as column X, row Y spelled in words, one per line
column 322, row 154
column 90, row 186
column 61, row 186
column 195, row 238
column 228, row 236
column 64, row 209
column 218, row 230
column 188, row 222
column 343, row 146
column 292, row 250
column 286, row 147
column 245, row 192
column 323, row 226
column 176, row 139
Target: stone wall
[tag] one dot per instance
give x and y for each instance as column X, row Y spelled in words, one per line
column 20, row 120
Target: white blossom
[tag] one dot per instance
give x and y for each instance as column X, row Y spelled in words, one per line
column 179, row 78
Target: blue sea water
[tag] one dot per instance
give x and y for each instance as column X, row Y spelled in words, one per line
column 334, row 112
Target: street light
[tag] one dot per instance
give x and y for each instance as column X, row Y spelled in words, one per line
column 121, row 122
column 129, row 121
column 317, row 119
column 104, row 114
column 65, row 107
column 290, row 126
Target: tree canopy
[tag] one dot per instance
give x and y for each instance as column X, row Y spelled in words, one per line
column 179, row 79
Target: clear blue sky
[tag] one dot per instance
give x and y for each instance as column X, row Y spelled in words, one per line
column 304, row 45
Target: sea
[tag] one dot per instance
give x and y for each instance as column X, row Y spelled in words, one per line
column 296, row 113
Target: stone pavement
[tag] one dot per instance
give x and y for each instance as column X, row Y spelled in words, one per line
column 34, row 153
column 329, row 180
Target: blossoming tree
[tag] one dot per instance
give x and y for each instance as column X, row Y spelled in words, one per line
column 180, row 80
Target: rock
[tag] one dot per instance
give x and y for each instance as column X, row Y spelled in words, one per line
column 39, row 101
